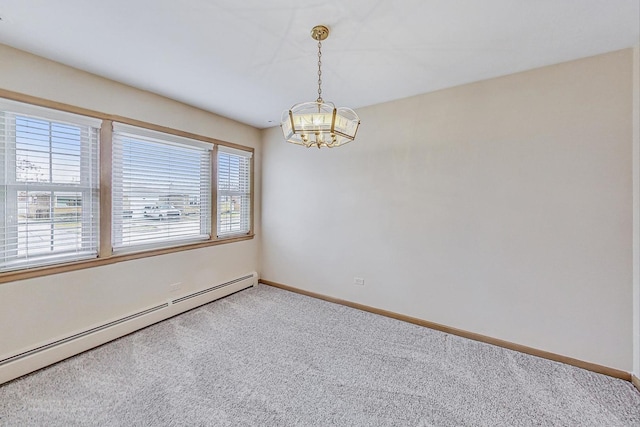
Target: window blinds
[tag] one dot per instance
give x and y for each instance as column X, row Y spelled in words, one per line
column 49, row 186
column 234, row 192
column 161, row 189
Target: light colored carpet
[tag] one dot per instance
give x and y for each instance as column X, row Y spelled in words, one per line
column 267, row 357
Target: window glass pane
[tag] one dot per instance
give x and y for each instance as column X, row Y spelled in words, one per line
column 46, row 226
column 47, row 151
column 233, row 214
column 48, row 190
column 160, row 191
column 233, row 193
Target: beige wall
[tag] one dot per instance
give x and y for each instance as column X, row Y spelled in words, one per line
column 38, row 311
column 636, row 211
column 501, row 207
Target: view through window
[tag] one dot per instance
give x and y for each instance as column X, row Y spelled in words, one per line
column 161, row 188
column 48, row 187
column 234, row 191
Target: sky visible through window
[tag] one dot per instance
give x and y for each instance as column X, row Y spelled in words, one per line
column 47, row 151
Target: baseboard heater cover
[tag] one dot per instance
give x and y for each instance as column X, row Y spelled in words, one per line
column 213, row 288
column 82, row 334
column 169, row 304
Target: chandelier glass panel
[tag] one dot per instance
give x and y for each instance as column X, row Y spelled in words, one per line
column 318, row 123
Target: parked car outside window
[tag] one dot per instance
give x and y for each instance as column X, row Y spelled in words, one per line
column 162, row 212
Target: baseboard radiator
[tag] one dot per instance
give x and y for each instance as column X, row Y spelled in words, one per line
column 41, row 356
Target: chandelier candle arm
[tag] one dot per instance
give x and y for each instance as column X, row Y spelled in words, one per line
column 319, row 123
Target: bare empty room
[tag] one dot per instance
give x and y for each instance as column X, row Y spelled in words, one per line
column 313, row 213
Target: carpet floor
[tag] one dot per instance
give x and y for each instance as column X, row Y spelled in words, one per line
column 268, row 357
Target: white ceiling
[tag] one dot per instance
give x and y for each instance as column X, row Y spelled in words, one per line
column 251, row 59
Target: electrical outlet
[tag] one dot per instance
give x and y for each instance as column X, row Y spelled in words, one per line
column 358, row 281
column 175, row 286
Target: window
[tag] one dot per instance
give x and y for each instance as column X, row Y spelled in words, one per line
column 49, row 193
column 234, row 192
column 161, row 188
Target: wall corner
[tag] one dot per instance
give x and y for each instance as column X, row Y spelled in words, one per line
column 636, row 210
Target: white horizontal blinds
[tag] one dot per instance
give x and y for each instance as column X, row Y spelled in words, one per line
column 49, row 186
column 161, row 189
column 234, row 191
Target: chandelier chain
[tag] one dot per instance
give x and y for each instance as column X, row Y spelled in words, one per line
column 319, row 100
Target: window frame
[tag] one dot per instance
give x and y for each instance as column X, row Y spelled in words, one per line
column 105, row 251
column 124, row 134
column 248, row 156
column 18, row 115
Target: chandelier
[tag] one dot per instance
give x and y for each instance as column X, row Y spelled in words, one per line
column 318, row 123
